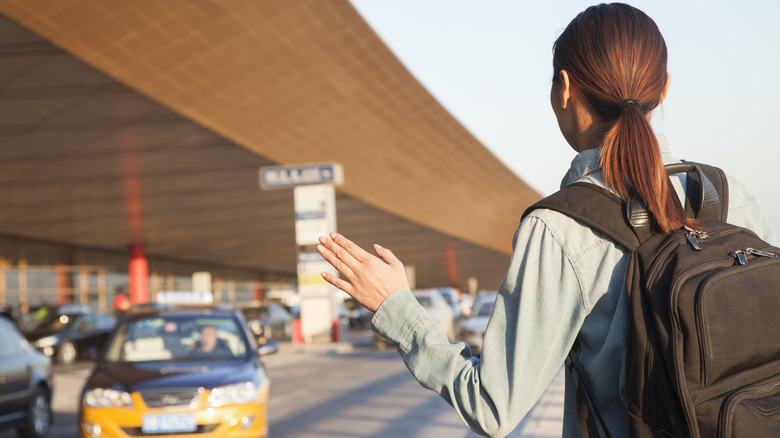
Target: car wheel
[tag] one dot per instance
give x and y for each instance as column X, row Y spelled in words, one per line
column 39, row 416
column 66, row 353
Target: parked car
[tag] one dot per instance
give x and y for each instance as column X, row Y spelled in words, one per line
column 436, row 306
column 70, row 336
column 472, row 329
column 178, row 372
column 360, row 317
column 441, row 312
column 38, row 312
column 25, row 384
column 452, row 296
column 269, row 321
column 466, row 303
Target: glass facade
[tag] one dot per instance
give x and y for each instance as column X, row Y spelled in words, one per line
column 35, row 273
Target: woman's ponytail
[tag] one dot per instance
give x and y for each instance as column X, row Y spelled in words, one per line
column 631, row 163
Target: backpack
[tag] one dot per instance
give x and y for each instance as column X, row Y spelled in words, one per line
column 703, row 355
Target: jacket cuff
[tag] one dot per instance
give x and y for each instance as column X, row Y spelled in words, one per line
column 398, row 317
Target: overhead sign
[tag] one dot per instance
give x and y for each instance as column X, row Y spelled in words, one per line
column 285, row 177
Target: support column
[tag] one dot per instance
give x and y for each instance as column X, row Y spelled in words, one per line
column 257, row 288
column 64, row 276
column 138, row 274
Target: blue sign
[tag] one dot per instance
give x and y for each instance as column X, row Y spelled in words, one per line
column 284, row 177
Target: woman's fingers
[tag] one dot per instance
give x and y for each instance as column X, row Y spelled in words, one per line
column 339, row 283
column 328, row 251
column 343, row 251
column 386, row 255
column 358, row 253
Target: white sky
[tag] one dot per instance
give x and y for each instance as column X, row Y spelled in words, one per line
column 489, row 62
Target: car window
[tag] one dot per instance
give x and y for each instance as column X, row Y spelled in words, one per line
column 105, row 322
column 424, row 301
column 11, row 344
column 176, row 337
column 485, row 309
column 54, row 322
column 87, row 323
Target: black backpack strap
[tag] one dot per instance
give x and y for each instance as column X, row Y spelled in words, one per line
column 586, row 410
column 629, row 223
column 597, row 208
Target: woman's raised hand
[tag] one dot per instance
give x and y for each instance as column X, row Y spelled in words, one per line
column 367, row 278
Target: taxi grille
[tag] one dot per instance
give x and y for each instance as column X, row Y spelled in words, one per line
column 171, row 398
column 205, row 428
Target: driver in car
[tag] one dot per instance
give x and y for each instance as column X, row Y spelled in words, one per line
column 210, row 344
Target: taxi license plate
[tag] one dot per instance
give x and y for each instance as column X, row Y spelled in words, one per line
column 168, row 423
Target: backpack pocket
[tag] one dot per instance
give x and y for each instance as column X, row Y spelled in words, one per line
column 752, row 411
column 737, row 311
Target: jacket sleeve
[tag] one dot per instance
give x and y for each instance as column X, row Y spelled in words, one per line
column 744, row 211
column 538, row 312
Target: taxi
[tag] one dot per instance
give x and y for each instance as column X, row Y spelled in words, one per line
column 189, row 372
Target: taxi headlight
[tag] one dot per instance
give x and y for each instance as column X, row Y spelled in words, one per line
column 107, row 398
column 47, row 341
column 237, row 393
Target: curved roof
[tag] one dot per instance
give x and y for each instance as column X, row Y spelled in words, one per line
column 291, row 83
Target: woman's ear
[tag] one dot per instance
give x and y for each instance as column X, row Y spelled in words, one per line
column 565, row 90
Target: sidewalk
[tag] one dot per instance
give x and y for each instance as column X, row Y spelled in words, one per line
column 544, row 420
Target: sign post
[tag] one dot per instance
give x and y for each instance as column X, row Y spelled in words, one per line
column 315, row 215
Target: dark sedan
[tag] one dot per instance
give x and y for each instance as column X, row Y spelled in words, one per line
column 25, row 384
column 269, row 321
column 70, row 336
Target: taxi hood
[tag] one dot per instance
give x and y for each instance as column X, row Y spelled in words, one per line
column 171, row 374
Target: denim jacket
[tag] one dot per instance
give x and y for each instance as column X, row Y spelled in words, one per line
column 564, row 280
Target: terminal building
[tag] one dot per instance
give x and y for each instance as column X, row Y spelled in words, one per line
column 132, row 135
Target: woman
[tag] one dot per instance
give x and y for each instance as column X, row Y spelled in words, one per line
column 565, row 281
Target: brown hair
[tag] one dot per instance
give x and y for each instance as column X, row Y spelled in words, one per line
column 616, row 55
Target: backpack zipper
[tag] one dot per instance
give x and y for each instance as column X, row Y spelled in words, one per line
column 741, row 255
column 692, row 237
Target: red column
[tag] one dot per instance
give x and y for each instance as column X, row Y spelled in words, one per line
column 64, row 279
column 258, row 288
column 63, row 285
column 138, row 275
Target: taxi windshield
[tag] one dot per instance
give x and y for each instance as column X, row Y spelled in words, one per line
column 177, row 337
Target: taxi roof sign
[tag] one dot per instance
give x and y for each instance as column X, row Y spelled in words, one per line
column 181, row 297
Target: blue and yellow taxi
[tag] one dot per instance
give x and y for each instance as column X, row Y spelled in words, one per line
column 188, row 372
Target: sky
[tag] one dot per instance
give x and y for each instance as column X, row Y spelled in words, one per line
column 489, row 62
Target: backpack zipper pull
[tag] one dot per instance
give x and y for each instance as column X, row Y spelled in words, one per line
column 760, row 253
column 741, row 256
column 692, row 236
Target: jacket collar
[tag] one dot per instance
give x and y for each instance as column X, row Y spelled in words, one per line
column 587, row 163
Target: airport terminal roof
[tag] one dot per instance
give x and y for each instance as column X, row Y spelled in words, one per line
column 147, row 121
